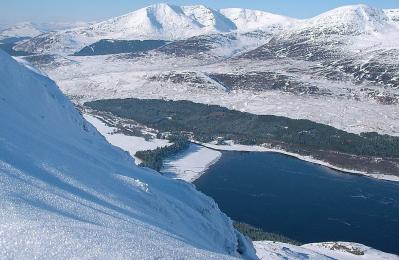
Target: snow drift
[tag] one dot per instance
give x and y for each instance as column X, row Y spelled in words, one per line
column 65, row 192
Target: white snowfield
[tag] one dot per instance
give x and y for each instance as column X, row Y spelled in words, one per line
column 357, row 19
column 268, row 250
column 251, row 20
column 65, row 192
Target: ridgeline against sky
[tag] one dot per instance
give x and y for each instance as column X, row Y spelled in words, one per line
column 96, row 10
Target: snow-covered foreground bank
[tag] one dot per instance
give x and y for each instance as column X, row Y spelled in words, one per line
column 267, row 250
column 65, row 192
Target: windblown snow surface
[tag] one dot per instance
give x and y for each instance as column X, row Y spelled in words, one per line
column 67, row 193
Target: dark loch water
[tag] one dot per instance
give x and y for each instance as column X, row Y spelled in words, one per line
column 303, row 201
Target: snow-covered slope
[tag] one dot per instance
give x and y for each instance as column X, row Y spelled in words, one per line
column 209, row 19
column 352, row 19
column 267, row 250
column 30, row 30
column 67, row 193
column 250, row 20
column 393, row 15
column 358, row 41
column 20, row 30
column 58, row 26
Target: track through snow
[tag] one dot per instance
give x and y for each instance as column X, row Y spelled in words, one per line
column 67, row 193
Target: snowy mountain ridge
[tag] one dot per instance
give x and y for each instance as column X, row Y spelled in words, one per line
column 165, row 22
column 170, row 22
column 352, row 20
column 159, row 22
column 252, row 20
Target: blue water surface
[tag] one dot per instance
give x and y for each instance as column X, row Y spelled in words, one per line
column 304, row 201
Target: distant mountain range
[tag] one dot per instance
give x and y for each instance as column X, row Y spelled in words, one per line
column 169, row 22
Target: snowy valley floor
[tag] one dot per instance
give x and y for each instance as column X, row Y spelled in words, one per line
column 103, row 77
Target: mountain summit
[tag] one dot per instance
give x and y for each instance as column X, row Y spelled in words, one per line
column 164, row 21
column 350, row 20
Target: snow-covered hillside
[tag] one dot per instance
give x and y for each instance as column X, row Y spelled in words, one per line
column 393, row 15
column 267, row 250
column 251, row 20
column 352, row 19
column 20, row 30
column 66, row 193
column 29, row 29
